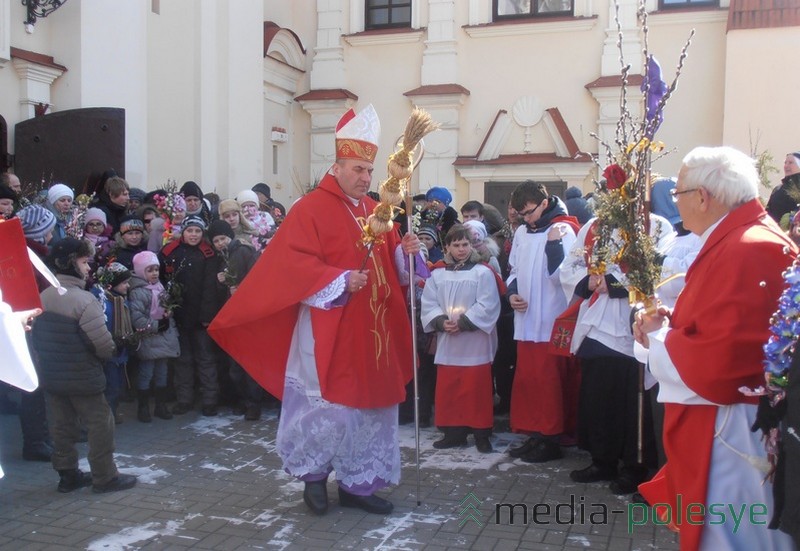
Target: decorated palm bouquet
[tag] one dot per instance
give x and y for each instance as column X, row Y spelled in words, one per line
column 623, row 234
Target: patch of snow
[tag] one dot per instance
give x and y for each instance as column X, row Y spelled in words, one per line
column 126, row 538
column 214, row 467
column 581, row 540
column 388, row 535
column 211, row 425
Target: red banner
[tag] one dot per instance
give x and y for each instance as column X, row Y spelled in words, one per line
column 17, row 279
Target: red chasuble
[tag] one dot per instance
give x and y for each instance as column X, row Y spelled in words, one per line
column 362, row 350
column 719, row 326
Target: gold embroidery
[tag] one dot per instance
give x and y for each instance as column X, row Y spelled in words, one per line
column 355, row 149
column 380, row 332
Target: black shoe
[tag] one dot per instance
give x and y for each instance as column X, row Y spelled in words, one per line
column 253, row 413
column 483, row 445
column 521, row 450
column 370, row 504
column 143, row 410
column 628, row 481
column 162, row 411
column 37, row 451
column 119, row 482
column 238, row 409
column 425, row 423
column 593, row 473
column 210, row 411
column 181, row 408
column 450, row 441
column 143, row 413
column 315, row 495
column 73, row 479
column 544, row 450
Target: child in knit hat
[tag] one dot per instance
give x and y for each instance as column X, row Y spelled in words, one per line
column 37, row 224
column 231, row 212
column 260, row 220
column 237, row 259
column 191, row 263
column 130, row 240
column 94, row 226
column 159, row 337
column 429, row 236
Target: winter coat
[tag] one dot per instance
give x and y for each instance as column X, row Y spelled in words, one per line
column 71, row 340
column 159, row 338
column 241, row 258
column 782, row 200
column 195, row 269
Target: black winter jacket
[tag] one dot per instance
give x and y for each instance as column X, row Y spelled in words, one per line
column 195, row 269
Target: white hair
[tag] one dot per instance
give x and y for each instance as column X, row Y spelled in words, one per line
column 726, row 173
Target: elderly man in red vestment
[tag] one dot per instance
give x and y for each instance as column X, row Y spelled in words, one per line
column 710, row 489
column 332, row 340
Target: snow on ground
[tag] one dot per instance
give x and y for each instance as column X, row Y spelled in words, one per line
column 134, row 536
column 390, row 536
column 396, row 532
column 143, row 467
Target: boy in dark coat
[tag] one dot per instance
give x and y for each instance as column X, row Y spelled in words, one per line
column 190, row 263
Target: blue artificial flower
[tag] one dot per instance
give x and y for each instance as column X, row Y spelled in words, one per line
column 655, row 89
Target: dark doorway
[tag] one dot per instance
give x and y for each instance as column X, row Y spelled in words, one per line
column 68, row 145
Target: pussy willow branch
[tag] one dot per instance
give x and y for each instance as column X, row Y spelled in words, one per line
column 674, row 84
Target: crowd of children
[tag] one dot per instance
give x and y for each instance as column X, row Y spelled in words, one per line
column 165, row 262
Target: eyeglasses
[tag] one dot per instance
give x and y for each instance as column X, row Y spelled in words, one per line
column 525, row 213
column 674, row 193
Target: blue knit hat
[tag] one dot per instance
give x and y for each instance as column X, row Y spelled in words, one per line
column 36, row 221
column 439, row 194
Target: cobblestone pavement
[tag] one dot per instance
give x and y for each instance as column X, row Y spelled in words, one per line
column 216, row 483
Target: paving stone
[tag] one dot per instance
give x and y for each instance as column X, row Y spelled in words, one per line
column 216, row 483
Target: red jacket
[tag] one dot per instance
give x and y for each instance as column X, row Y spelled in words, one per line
column 719, row 325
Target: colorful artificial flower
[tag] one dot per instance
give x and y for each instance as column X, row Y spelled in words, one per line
column 615, row 176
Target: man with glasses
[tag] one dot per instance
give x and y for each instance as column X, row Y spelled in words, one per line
column 544, row 392
column 710, row 346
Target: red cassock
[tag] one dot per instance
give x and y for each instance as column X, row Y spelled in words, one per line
column 719, row 326
column 362, row 350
